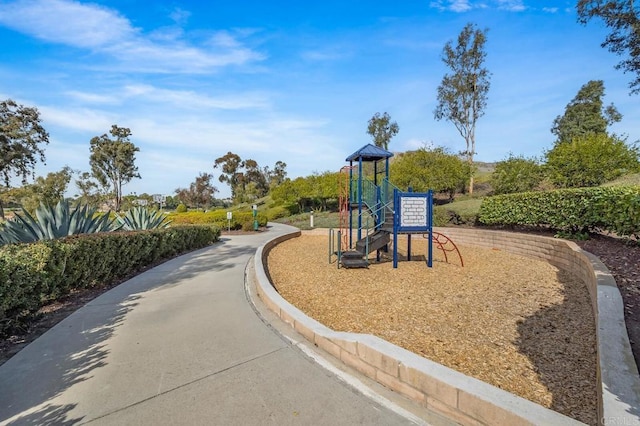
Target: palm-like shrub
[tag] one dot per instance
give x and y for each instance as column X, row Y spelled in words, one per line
column 140, row 218
column 52, row 223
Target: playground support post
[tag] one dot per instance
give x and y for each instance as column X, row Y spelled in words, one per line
column 360, row 199
column 430, row 241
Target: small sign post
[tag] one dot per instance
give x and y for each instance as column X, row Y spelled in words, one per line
column 255, row 217
column 160, row 199
column 229, row 216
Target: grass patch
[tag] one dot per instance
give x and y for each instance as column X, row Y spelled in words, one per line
column 632, row 179
column 467, row 210
column 324, row 219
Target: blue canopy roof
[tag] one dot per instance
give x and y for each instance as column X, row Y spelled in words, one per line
column 370, row 153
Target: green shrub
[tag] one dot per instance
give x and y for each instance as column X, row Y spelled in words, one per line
column 277, row 212
column 440, row 216
column 612, row 209
column 591, row 160
column 33, row 274
column 181, row 208
column 217, row 217
column 516, row 174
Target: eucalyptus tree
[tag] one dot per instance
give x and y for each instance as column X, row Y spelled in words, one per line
column 382, row 129
column 462, row 94
column 113, row 159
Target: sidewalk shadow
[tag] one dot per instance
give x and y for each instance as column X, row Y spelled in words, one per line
column 49, row 415
column 70, row 352
column 59, row 359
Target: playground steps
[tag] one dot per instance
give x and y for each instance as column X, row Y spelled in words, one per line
column 374, row 241
column 353, row 259
column 387, row 225
column 357, row 258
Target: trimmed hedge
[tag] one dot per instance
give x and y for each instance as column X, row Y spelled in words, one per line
column 601, row 209
column 217, row 218
column 36, row 273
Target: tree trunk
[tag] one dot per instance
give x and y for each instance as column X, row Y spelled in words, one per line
column 471, row 185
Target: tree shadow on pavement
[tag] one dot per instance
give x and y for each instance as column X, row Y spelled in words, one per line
column 70, row 352
column 49, row 415
column 64, row 356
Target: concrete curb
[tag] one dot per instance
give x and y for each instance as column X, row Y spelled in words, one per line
column 462, row 398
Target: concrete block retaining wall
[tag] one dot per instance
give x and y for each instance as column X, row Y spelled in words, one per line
column 465, row 399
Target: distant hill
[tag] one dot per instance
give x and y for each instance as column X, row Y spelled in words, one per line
column 485, row 167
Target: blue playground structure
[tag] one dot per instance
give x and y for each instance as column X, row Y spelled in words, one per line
column 376, row 211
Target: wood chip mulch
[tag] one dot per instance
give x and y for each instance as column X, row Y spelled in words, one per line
column 517, row 323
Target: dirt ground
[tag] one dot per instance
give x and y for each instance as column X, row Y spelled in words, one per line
column 514, row 322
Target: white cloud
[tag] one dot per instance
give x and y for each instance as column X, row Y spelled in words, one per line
column 105, row 31
column 452, row 5
column 181, row 99
column 187, row 99
column 80, row 119
column 321, row 55
column 180, row 16
column 93, row 98
column 550, row 9
column 511, row 5
column 67, row 22
column 460, row 6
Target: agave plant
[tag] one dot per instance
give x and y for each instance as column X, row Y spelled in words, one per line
column 53, row 222
column 139, row 218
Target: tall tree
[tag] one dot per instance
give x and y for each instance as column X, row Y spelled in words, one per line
column 113, row 160
column 246, row 178
column 255, row 176
column 200, row 193
column 382, row 129
column 276, row 176
column 585, row 114
column 47, row 190
column 231, row 165
column 21, row 140
column 89, row 189
column 622, row 17
column 462, row 95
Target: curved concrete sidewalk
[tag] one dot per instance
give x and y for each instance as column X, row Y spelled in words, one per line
column 178, row 344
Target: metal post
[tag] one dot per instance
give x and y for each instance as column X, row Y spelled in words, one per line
column 350, row 201
column 430, row 225
column 360, row 198
column 339, row 247
column 396, row 221
column 255, row 217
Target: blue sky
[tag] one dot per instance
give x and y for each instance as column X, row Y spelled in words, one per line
column 289, row 80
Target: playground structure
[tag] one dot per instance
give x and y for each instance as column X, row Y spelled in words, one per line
column 377, row 212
